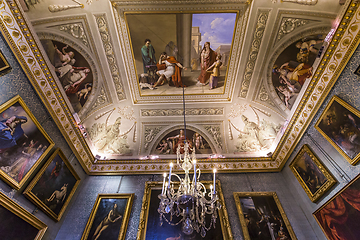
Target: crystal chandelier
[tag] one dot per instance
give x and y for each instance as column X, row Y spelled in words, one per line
column 187, row 202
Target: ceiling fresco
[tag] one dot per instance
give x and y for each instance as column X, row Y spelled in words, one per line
column 120, row 68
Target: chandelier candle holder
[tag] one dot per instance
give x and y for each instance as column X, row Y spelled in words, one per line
column 188, row 202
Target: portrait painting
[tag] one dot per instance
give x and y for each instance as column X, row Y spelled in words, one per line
column 311, row 173
column 53, row 187
column 150, row 228
column 294, row 66
column 109, row 217
column 23, row 142
column 340, row 125
column 193, row 51
column 339, row 217
column 4, row 65
column 262, row 216
column 17, row 223
column 73, row 71
column 170, row 142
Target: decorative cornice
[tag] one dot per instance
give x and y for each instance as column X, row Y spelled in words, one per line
column 262, row 18
column 179, row 112
column 111, row 59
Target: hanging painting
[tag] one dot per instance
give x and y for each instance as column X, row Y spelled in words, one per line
column 339, row 124
column 109, row 217
column 339, row 217
column 149, row 225
column 73, row 71
column 54, row 185
column 311, row 173
column 17, row 223
column 262, row 217
column 4, row 65
column 23, row 142
column 172, row 50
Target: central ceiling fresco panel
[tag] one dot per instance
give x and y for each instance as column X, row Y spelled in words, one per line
column 197, row 45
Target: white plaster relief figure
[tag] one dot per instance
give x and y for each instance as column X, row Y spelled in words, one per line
column 108, row 139
column 255, row 136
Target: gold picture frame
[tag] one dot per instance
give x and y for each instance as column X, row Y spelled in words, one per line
column 263, row 206
column 54, row 185
column 23, row 145
column 312, row 175
column 338, row 124
column 150, row 215
column 21, row 223
column 339, row 217
column 4, row 65
column 105, row 206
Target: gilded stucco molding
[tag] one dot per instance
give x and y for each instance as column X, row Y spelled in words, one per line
column 289, row 24
column 215, row 132
column 179, row 112
column 101, row 100
column 340, row 49
column 303, row 2
column 264, row 97
column 16, row 32
column 109, row 52
column 262, row 18
column 149, row 135
column 120, row 9
column 75, row 30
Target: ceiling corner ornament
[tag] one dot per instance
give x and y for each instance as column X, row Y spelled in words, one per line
column 303, row 2
column 108, row 49
column 289, row 24
column 76, row 30
column 100, row 100
column 20, row 38
column 254, row 50
column 263, row 96
column 149, row 135
column 215, row 132
column 344, row 42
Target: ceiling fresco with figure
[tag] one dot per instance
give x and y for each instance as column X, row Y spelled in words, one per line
column 121, row 67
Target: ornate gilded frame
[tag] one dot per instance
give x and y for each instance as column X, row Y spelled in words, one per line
column 345, row 107
column 36, row 200
column 238, row 195
column 126, row 215
column 12, row 182
column 20, row 212
column 4, row 65
column 330, row 180
column 146, row 205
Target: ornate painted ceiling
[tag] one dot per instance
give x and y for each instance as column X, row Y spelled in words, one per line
column 89, row 61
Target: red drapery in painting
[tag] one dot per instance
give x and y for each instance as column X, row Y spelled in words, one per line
column 335, row 217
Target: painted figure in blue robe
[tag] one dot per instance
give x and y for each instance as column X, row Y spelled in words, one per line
column 148, row 55
column 11, row 131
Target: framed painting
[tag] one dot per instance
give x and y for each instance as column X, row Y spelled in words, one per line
column 14, row 218
column 339, row 124
column 184, row 54
column 339, row 217
column 149, row 225
column 23, row 142
column 311, row 173
column 109, row 217
column 357, row 71
column 54, row 185
column 260, row 210
column 4, row 65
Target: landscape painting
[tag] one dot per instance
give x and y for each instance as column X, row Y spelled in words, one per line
column 193, row 51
